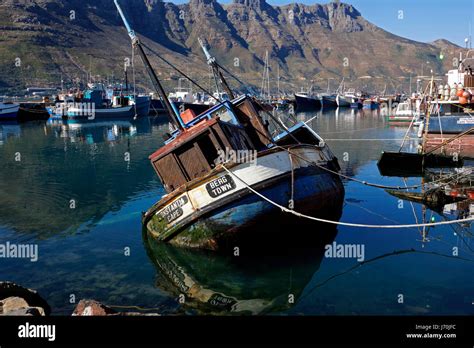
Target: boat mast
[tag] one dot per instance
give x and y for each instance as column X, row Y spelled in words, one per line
column 126, row 78
column 278, row 80
column 265, row 90
column 215, row 69
column 172, row 111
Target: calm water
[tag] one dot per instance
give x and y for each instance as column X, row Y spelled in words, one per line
column 74, row 194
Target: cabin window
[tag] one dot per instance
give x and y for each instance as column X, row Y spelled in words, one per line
column 225, row 115
column 302, row 134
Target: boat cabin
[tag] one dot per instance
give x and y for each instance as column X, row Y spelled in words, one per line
column 194, row 152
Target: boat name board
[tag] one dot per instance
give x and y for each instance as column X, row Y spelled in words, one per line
column 219, row 300
column 174, row 210
column 467, row 120
column 220, row 186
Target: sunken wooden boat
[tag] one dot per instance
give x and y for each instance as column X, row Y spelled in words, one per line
column 225, row 174
column 209, row 203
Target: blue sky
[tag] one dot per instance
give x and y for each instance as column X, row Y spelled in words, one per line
column 423, row 20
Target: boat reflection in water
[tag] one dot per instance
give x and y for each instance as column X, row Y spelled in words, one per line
column 448, row 192
column 8, row 131
column 458, row 185
column 255, row 282
column 105, row 131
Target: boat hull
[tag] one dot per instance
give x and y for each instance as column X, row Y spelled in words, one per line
column 32, row 112
column 141, row 109
column 400, row 120
column 405, row 164
column 450, row 124
column 356, row 105
column 9, row 112
column 342, row 102
column 307, row 103
column 238, row 216
column 370, row 105
column 329, row 101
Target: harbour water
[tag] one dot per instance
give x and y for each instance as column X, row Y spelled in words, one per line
column 78, row 191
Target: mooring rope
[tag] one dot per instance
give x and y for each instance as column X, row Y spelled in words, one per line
column 339, row 223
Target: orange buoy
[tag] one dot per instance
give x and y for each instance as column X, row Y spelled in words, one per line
column 459, row 93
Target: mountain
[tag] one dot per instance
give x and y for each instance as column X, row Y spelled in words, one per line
column 44, row 40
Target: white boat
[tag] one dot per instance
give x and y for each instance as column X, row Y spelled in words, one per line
column 343, row 101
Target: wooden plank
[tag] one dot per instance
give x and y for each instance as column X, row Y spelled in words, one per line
column 193, row 160
column 257, row 131
column 169, row 172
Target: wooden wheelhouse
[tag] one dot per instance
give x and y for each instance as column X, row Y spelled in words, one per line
column 194, row 151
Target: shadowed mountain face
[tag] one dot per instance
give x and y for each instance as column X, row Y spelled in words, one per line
column 42, row 39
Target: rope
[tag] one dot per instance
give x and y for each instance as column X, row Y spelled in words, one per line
column 349, row 224
column 407, row 132
column 277, row 121
column 181, row 72
column 135, row 307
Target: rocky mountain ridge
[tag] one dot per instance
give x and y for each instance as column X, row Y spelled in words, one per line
column 44, row 40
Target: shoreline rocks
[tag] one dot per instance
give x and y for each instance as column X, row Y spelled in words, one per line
column 16, row 300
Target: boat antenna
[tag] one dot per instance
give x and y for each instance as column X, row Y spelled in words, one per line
column 215, row 69
column 172, row 111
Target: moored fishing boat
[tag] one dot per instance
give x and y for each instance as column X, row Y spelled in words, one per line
column 343, row 101
column 224, row 173
column 304, row 101
column 32, row 112
column 450, row 127
column 370, row 104
column 98, row 102
column 356, row 103
column 329, row 100
column 405, row 114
